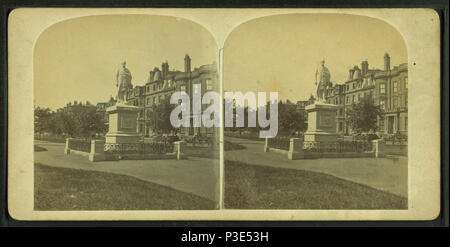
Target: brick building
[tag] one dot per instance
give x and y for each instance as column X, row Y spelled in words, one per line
column 160, row 85
column 389, row 89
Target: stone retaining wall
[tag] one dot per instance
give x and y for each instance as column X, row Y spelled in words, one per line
column 296, row 151
column 98, row 152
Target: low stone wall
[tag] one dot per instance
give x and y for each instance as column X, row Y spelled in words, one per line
column 111, row 157
column 296, row 151
column 98, row 153
column 316, row 155
column 76, row 152
column 382, row 149
column 276, row 150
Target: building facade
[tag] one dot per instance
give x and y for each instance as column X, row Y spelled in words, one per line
column 162, row 83
column 388, row 87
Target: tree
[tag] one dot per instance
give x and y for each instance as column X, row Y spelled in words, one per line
column 290, row 119
column 363, row 116
column 87, row 121
column 160, row 117
column 66, row 123
column 42, row 120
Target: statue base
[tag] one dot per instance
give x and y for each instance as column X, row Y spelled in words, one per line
column 122, row 124
column 321, row 123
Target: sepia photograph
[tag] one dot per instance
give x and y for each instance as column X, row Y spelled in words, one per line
column 102, row 133
column 342, row 139
column 167, row 114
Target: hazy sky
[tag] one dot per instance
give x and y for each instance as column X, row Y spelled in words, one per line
column 283, row 52
column 77, row 59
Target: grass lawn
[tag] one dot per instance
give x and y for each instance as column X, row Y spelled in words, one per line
column 39, row 149
column 228, row 146
column 71, row 189
column 202, row 152
column 259, row 187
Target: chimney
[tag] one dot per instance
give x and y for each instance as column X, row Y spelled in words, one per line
column 152, row 76
column 364, row 67
column 350, row 74
column 187, row 63
column 387, row 62
column 164, row 69
column 357, row 73
column 167, row 68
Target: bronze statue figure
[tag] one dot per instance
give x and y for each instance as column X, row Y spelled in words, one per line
column 322, row 81
column 123, row 82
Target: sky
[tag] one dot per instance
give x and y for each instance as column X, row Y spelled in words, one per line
column 283, row 52
column 77, row 59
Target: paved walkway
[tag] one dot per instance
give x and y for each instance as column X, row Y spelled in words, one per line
column 387, row 174
column 198, row 176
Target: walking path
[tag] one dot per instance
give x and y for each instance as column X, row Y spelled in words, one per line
column 198, row 176
column 387, row 174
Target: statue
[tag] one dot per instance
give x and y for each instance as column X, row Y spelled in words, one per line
column 123, row 82
column 322, row 81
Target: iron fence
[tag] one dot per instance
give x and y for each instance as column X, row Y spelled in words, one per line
column 395, row 139
column 139, row 148
column 279, row 143
column 340, row 146
column 80, row 145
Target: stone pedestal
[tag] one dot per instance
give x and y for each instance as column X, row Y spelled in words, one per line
column 321, row 123
column 97, row 150
column 378, row 146
column 266, row 145
column 122, row 124
column 296, row 149
column 179, row 149
column 66, row 148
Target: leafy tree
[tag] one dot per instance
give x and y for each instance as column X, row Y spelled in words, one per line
column 66, row 124
column 160, row 117
column 290, row 119
column 87, row 121
column 363, row 116
column 42, row 120
column 80, row 121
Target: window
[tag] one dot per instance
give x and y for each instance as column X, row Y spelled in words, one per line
column 382, row 88
column 347, row 99
column 381, row 124
column 183, row 88
column 395, row 102
column 353, row 99
column 395, row 87
column 382, row 104
column 209, row 84
column 406, row 82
